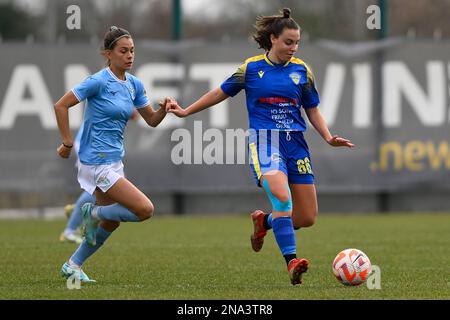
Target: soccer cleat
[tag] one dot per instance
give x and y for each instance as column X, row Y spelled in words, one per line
column 259, row 232
column 68, row 209
column 67, row 271
column 89, row 224
column 70, row 237
column 296, row 268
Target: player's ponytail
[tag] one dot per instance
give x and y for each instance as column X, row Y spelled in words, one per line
column 267, row 25
column 286, row 13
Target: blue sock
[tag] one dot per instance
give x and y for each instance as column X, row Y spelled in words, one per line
column 283, row 230
column 75, row 219
column 268, row 221
column 116, row 212
column 85, row 250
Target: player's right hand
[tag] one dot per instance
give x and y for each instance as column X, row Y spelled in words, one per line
column 173, row 107
column 63, row 151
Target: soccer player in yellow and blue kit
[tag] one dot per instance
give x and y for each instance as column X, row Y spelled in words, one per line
column 277, row 86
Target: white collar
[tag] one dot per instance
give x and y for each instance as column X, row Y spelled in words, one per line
column 115, row 77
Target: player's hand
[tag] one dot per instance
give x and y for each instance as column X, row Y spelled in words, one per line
column 63, row 151
column 336, row 141
column 173, row 107
column 163, row 104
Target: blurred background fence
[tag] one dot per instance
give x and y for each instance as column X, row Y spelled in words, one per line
column 386, row 89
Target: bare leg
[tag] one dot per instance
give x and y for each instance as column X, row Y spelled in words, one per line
column 304, row 208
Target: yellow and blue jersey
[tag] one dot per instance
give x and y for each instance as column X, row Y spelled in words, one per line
column 275, row 93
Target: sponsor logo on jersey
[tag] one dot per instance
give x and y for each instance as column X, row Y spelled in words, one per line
column 275, row 157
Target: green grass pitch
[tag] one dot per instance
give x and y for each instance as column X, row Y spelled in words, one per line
column 209, row 257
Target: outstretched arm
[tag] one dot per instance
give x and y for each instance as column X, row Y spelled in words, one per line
column 319, row 123
column 152, row 117
column 210, row 99
column 62, row 119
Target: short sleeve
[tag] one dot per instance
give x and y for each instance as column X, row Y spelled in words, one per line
column 235, row 83
column 310, row 96
column 141, row 99
column 86, row 89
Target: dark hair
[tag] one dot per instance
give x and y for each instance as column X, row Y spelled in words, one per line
column 267, row 25
column 111, row 37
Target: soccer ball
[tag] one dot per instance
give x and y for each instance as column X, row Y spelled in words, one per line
column 351, row 267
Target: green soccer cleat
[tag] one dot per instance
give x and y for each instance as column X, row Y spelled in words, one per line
column 67, row 271
column 89, row 224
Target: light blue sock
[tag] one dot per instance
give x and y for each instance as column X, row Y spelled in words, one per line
column 75, row 219
column 283, row 230
column 116, row 212
column 85, row 250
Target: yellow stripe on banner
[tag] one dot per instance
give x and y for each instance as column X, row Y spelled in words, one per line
column 255, row 159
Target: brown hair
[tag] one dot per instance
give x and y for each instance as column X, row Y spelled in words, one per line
column 267, row 25
column 111, row 37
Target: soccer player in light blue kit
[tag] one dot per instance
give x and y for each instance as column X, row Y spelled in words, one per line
column 73, row 211
column 112, row 94
column 277, row 86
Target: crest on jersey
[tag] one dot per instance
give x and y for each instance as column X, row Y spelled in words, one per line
column 131, row 89
column 295, row 77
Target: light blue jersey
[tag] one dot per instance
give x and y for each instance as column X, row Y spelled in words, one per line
column 77, row 140
column 79, row 134
column 110, row 103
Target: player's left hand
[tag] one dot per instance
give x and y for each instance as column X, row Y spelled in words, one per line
column 336, row 141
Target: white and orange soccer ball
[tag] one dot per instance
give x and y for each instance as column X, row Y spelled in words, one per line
column 351, row 267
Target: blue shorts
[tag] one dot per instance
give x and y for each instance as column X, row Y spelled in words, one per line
column 285, row 151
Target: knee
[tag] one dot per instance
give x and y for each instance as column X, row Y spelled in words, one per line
column 145, row 210
column 306, row 220
column 280, row 197
column 309, row 221
column 281, row 201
